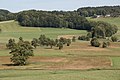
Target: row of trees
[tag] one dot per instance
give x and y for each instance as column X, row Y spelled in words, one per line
column 22, row 50
column 59, row 16
column 114, row 11
column 95, row 42
column 36, row 18
column 45, row 41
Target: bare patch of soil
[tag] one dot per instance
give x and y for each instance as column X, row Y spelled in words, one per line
column 66, row 36
column 59, row 63
column 83, row 46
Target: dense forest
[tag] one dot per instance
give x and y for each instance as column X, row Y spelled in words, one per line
column 67, row 19
column 50, row 19
column 114, row 11
column 6, row 15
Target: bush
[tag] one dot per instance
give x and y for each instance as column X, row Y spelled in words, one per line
column 73, row 39
column 105, row 45
column 60, row 45
column 68, row 42
column 94, row 42
column 81, row 37
column 114, row 38
column 84, row 38
column 0, row 30
column 108, row 43
column 89, row 34
column 63, row 40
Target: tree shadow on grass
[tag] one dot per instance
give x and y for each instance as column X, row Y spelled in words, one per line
column 9, row 64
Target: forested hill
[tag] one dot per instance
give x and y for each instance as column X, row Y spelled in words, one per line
column 114, row 11
column 6, row 15
column 67, row 19
column 52, row 19
column 58, row 19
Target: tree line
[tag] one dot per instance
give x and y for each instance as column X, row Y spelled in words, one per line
column 35, row 18
column 5, row 15
column 114, row 11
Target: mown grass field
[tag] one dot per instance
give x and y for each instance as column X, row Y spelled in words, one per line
column 80, row 61
column 59, row 75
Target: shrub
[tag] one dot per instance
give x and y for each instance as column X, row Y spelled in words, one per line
column 85, row 38
column 73, row 39
column 68, row 42
column 108, row 43
column 81, row 37
column 63, row 40
column 105, row 45
column 60, row 45
column 114, row 38
column 0, row 30
column 89, row 34
column 94, row 42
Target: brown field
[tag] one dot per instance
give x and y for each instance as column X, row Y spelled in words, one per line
column 67, row 36
column 59, row 63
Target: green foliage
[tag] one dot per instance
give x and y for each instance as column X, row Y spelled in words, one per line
column 102, row 29
column 6, row 15
column 21, row 53
column 105, row 44
column 68, row 42
column 45, row 41
column 89, row 34
column 114, row 38
column 94, row 42
column 104, row 10
column 63, row 40
column 21, row 39
column 52, row 43
column 73, row 39
column 35, row 42
column 36, row 18
column 11, row 44
column 60, row 45
column 84, row 38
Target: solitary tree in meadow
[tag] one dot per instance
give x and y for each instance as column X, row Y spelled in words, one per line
column 21, row 53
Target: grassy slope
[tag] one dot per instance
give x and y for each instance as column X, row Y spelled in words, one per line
column 11, row 29
column 59, row 75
